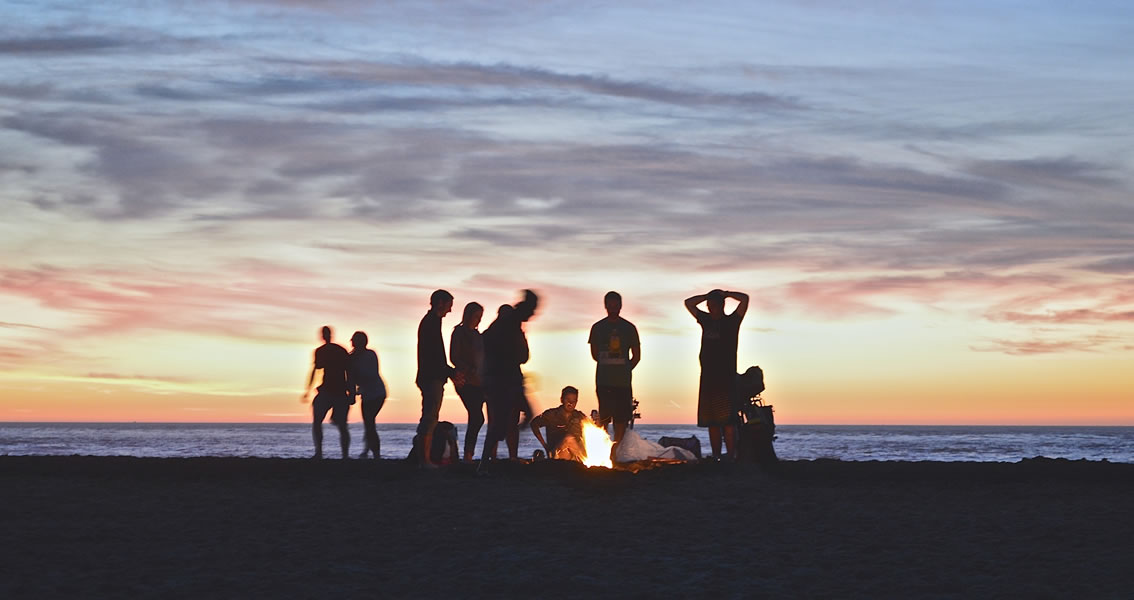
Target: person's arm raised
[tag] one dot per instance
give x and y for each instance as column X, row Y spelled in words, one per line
column 692, row 302
column 742, row 298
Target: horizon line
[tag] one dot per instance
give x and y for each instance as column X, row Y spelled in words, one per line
column 408, row 423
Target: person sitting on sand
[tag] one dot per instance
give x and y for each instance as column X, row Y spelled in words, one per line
column 564, row 427
column 364, row 379
column 332, row 393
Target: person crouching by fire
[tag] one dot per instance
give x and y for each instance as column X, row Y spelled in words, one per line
column 564, row 427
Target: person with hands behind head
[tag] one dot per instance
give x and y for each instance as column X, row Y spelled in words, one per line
column 720, row 333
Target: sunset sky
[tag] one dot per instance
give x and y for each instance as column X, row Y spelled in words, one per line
column 930, row 203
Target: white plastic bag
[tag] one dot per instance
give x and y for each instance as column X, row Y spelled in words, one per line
column 633, row 447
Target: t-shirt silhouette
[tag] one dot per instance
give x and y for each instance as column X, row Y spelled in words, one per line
column 332, row 358
column 560, row 425
column 613, row 339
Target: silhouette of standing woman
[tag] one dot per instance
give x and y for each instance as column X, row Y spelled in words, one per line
column 466, row 350
column 720, row 333
column 332, row 393
column 363, row 377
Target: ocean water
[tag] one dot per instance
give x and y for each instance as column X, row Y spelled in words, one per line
column 794, row 442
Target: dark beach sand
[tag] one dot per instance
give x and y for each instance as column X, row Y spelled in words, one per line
column 109, row 527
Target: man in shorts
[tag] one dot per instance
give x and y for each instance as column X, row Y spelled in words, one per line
column 331, row 394
column 616, row 350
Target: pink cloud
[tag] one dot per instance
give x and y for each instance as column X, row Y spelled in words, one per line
column 259, row 301
column 1084, row 315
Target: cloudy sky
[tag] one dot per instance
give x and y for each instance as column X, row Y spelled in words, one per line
column 929, row 203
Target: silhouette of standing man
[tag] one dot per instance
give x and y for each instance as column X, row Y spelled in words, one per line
column 720, row 334
column 432, row 370
column 331, row 394
column 505, row 349
column 617, row 350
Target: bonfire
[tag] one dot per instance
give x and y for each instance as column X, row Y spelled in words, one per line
column 596, row 446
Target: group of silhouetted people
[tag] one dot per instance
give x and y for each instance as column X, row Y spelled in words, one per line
column 486, row 371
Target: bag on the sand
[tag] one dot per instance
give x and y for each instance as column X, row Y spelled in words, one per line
column 444, row 446
column 690, row 444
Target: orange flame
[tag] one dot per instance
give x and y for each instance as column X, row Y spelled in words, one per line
column 596, row 446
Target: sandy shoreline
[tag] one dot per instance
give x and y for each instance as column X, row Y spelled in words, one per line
column 226, row 527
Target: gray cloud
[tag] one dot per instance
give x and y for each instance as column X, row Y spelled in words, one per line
column 417, row 72
column 150, row 175
column 1045, row 172
column 27, row 91
column 62, row 44
column 1122, row 265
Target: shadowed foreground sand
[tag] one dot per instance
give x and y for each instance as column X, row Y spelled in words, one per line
column 217, row 527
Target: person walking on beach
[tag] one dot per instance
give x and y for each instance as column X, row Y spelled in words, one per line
column 720, row 334
column 564, row 425
column 331, row 394
column 466, row 350
column 432, row 369
column 364, row 378
column 505, row 349
column 616, row 350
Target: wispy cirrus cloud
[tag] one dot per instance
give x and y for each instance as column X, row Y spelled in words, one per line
column 1096, row 343
column 1075, row 316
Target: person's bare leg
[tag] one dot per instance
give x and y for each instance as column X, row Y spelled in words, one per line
column 317, row 436
column 619, row 430
column 344, row 438
column 370, row 432
column 512, row 440
column 426, row 445
column 489, row 451
column 730, row 441
column 715, row 440
column 318, row 413
column 476, row 420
